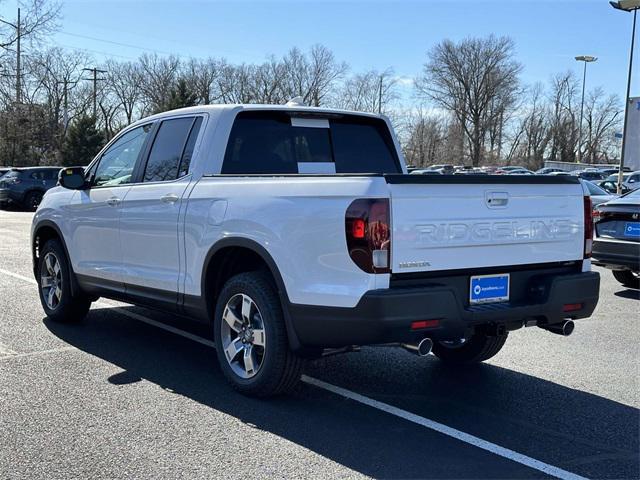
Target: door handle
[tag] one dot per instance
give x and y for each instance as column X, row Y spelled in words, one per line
column 169, row 198
column 113, row 201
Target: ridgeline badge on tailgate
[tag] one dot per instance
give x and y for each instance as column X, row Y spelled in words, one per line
column 502, row 232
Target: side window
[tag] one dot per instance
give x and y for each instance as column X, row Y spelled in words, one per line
column 51, row 174
column 37, row 175
column 185, row 163
column 117, row 164
column 167, row 151
column 634, row 178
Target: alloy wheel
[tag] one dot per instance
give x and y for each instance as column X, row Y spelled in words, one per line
column 243, row 336
column 51, row 281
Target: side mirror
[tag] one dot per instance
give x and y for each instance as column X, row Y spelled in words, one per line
column 72, row 178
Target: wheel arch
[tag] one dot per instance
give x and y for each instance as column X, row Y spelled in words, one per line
column 234, row 255
column 44, row 231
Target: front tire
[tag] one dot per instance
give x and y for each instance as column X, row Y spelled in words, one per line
column 32, row 201
column 477, row 349
column 627, row 278
column 54, row 286
column 251, row 338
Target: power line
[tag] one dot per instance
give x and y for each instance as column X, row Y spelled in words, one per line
column 129, row 45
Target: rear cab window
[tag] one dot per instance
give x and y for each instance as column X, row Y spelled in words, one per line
column 274, row 142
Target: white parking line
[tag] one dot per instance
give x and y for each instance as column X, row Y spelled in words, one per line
column 356, row 397
column 445, row 430
column 18, row 276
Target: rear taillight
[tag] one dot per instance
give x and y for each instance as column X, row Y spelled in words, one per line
column 588, row 227
column 596, row 215
column 367, row 228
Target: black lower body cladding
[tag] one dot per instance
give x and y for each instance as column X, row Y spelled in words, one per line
column 385, row 316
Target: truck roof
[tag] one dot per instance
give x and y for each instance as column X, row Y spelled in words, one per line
column 235, row 108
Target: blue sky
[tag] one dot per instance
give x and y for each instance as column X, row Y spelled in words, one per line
column 365, row 34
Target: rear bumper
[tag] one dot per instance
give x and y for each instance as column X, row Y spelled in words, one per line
column 385, row 316
column 616, row 254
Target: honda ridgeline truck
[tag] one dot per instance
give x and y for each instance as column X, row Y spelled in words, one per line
column 295, row 232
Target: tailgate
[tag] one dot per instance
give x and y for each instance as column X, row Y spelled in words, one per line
column 462, row 222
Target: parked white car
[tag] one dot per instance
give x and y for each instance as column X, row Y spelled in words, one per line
column 294, row 232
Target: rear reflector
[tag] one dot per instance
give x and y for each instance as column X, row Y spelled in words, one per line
column 420, row 324
column 571, row 307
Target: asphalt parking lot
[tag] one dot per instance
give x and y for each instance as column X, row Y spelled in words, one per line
column 117, row 397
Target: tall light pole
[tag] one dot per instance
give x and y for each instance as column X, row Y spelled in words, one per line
column 628, row 6
column 586, row 59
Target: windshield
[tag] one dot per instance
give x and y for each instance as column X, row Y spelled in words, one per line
column 595, row 190
column 614, row 177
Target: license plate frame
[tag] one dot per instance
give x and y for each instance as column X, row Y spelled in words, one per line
column 632, row 230
column 494, row 288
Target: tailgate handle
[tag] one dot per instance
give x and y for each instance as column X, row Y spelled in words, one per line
column 497, row 199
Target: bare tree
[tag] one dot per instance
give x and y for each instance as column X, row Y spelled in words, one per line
column 564, row 126
column 123, row 83
column 467, row 79
column 311, row 77
column 38, row 18
column 371, row 91
column 603, row 115
column 425, row 138
column 202, row 76
column 159, row 75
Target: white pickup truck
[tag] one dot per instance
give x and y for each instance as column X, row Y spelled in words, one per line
column 295, row 232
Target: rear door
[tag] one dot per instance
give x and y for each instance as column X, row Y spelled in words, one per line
column 150, row 211
column 459, row 222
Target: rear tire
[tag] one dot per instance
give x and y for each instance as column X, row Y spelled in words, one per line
column 54, row 286
column 32, row 200
column 251, row 337
column 476, row 349
column 627, row 278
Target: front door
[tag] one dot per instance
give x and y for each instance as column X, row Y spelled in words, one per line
column 95, row 249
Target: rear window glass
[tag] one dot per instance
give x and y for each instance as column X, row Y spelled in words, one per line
column 267, row 143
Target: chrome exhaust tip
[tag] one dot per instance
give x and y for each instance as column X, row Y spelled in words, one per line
column 422, row 348
column 565, row 328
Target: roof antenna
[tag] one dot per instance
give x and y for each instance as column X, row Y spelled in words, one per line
column 296, row 102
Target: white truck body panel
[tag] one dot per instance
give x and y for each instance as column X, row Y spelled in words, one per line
column 448, row 227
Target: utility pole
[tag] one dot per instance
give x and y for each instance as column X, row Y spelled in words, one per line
column 380, row 95
column 18, row 27
column 95, row 79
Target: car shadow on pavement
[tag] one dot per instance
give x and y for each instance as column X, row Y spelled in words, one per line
column 591, row 435
column 628, row 293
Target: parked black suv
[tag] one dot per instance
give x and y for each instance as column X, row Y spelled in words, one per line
column 24, row 187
